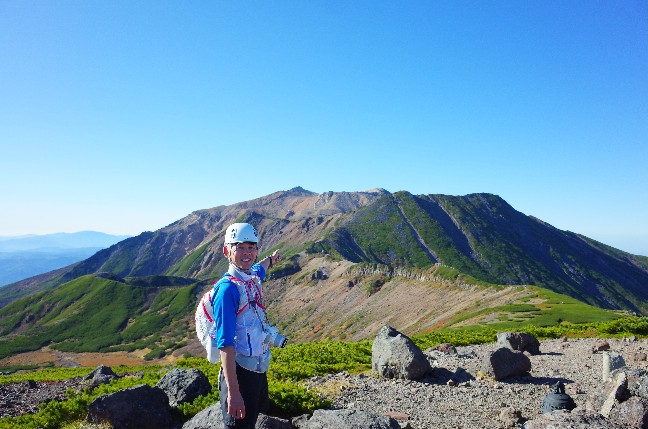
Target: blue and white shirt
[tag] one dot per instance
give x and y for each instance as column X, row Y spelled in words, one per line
column 239, row 318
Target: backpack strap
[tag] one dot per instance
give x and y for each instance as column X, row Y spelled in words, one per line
column 250, row 287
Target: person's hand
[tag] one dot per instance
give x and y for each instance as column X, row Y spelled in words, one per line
column 235, row 406
column 275, row 257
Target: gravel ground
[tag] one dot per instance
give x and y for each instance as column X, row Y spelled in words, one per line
column 23, row 398
column 474, row 402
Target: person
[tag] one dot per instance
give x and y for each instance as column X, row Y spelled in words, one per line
column 240, row 330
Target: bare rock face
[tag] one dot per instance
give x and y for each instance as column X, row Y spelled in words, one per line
column 504, row 363
column 394, row 355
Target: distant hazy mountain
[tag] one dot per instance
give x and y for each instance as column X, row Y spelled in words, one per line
column 63, row 240
column 26, row 256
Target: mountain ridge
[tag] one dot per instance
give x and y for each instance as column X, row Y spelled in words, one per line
column 478, row 234
column 352, row 262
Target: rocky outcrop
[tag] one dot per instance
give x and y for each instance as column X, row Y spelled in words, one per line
column 394, row 355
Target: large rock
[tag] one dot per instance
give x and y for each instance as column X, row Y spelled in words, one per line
column 622, row 385
column 212, row 418
column 100, row 375
column 184, row 385
column 209, row 418
column 611, row 362
column 519, row 341
column 608, row 394
column 344, row 419
column 271, row 422
column 394, row 355
column 631, row 414
column 140, row 407
column 637, row 382
column 563, row 419
column 504, row 363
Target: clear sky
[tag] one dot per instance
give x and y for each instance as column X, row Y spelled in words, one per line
column 124, row 116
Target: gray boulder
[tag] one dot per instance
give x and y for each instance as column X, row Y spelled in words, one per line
column 100, row 375
column 504, row 363
column 271, row 422
column 394, row 355
column 519, row 341
column 608, row 394
column 140, row 407
column 637, row 382
column 184, row 385
column 610, row 397
column 347, row 419
column 611, row 362
column 211, row 418
column 563, row 419
column 631, row 414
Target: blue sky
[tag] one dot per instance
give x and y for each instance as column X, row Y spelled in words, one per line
column 125, row 116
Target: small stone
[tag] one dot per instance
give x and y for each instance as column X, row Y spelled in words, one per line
column 640, row 356
column 600, row 346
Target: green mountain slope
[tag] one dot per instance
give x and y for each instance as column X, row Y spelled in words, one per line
column 479, row 235
column 483, row 236
column 93, row 313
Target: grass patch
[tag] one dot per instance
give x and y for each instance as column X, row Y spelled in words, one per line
column 542, row 308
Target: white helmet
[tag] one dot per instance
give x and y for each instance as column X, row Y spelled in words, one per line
column 241, row 233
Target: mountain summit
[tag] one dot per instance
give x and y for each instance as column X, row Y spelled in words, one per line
column 480, row 235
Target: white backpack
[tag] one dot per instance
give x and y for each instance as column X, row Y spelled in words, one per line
column 204, row 318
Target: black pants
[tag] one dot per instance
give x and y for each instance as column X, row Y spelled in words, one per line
column 254, row 390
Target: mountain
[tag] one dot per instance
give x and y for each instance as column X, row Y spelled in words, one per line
column 62, row 240
column 26, row 256
column 352, row 261
column 479, row 234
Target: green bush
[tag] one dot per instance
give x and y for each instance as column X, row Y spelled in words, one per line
column 289, row 399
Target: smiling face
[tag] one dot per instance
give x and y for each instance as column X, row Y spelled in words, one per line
column 243, row 255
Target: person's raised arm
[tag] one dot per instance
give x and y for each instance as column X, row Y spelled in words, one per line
column 271, row 260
